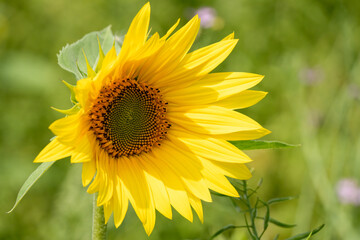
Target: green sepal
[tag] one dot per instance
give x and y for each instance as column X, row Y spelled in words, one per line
column 72, row 91
column 70, row 111
column 90, row 71
column 101, row 57
column 83, row 75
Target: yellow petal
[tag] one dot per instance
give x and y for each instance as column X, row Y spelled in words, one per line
column 121, row 201
column 54, row 151
column 180, row 201
column 149, row 48
column 97, row 185
column 160, row 195
column 137, row 33
column 187, row 166
column 207, row 147
column 88, row 172
column 82, row 91
column 94, row 186
column 233, row 170
column 106, row 184
column 107, row 68
column 173, row 51
column 213, row 87
column 209, row 57
column 175, row 188
column 139, row 191
column 243, row 135
column 133, row 65
column 108, row 208
column 240, row 100
column 230, row 36
column 211, row 120
column 171, row 30
column 215, row 179
column 197, row 206
column 109, row 58
column 82, row 151
column 198, row 63
column 66, row 129
column 220, row 184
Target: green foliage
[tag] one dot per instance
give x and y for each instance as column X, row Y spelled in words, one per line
column 260, row 144
column 71, row 57
column 277, row 200
column 307, row 235
column 30, row 181
column 228, row 227
column 250, row 204
column 281, row 224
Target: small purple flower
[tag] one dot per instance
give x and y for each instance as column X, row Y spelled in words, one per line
column 311, row 76
column 207, row 15
column 354, row 91
column 348, row 192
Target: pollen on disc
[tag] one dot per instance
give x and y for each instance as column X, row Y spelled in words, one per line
column 128, row 118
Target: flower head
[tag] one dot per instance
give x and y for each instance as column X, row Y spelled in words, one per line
column 150, row 124
column 348, row 191
column 207, row 16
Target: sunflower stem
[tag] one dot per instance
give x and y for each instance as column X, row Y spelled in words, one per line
column 99, row 226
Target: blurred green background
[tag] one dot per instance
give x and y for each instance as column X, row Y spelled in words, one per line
column 309, row 52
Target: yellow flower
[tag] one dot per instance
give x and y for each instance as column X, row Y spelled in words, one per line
column 150, row 126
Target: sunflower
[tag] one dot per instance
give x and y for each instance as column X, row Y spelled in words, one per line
column 150, row 125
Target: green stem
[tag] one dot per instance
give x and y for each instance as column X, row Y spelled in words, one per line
column 99, row 226
column 252, row 212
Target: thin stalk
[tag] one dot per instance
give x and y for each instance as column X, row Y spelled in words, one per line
column 252, row 211
column 99, row 226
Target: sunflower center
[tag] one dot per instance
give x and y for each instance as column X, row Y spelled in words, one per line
column 128, row 118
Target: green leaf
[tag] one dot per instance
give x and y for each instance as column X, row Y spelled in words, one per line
column 277, row 223
column 259, row 144
column 34, row 176
column 281, row 224
column 277, row 200
column 71, row 57
column 225, row 229
column 306, row 234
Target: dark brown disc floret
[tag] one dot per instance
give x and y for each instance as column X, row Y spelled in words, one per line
column 128, row 118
